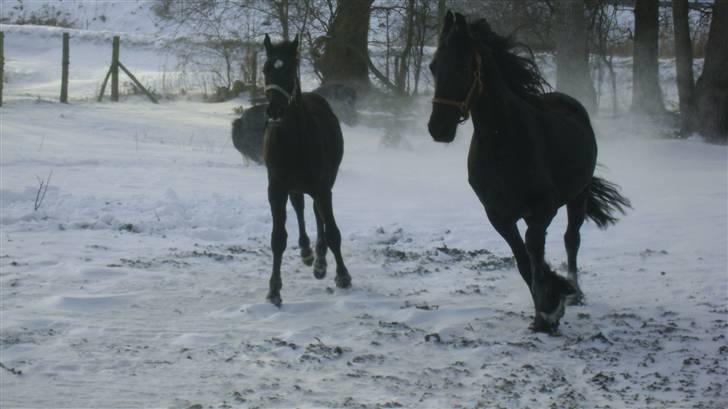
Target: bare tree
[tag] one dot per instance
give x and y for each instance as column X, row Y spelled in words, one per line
column 712, row 86
column 646, row 92
column 345, row 52
column 684, row 63
column 403, row 63
column 606, row 34
column 572, row 64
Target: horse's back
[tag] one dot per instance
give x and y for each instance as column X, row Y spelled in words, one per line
column 567, row 105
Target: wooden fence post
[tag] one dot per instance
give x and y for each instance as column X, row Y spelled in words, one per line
column 2, row 65
column 64, row 71
column 115, row 69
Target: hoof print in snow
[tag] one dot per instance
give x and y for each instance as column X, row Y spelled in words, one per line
column 434, row 337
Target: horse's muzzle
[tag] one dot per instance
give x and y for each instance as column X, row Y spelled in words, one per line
column 441, row 131
column 275, row 112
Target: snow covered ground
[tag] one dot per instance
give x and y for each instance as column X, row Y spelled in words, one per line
column 140, row 281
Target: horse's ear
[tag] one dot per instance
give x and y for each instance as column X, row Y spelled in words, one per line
column 461, row 23
column 294, row 43
column 267, row 43
column 447, row 23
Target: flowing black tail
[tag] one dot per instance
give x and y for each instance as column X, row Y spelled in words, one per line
column 604, row 201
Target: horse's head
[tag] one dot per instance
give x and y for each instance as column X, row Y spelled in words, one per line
column 281, row 76
column 456, row 69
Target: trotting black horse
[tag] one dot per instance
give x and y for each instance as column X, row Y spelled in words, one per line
column 249, row 129
column 302, row 148
column 531, row 153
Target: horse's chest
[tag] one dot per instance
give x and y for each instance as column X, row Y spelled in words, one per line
column 289, row 160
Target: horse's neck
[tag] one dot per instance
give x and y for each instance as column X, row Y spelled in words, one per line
column 492, row 113
column 294, row 120
column 498, row 111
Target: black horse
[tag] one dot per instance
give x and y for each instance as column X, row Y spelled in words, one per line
column 248, row 130
column 531, row 153
column 302, row 149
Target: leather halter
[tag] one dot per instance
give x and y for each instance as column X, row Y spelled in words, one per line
column 290, row 96
column 464, row 106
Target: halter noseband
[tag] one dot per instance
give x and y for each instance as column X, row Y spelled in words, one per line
column 290, row 96
column 275, row 87
column 464, row 106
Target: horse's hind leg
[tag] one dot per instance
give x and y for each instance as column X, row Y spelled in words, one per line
column 576, row 211
column 333, row 238
column 277, row 199
column 303, row 241
column 319, row 265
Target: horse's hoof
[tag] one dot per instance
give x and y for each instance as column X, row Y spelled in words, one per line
column 307, row 256
column 343, row 280
column 541, row 325
column 275, row 299
column 319, row 269
column 549, row 321
column 575, row 299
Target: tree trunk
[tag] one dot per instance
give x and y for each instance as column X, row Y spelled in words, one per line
column 572, row 63
column 282, row 10
column 646, row 93
column 684, row 64
column 404, row 58
column 344, row 59
column 712, row 86
column 441, row 11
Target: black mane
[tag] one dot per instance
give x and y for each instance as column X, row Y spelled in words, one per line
column 520, row 73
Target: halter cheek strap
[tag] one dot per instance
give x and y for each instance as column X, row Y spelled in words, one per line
column 464, row 106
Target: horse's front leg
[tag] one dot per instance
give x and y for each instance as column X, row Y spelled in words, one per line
column 277, row 198
column 548, row 302
column 508, row 229
column 303, row 241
